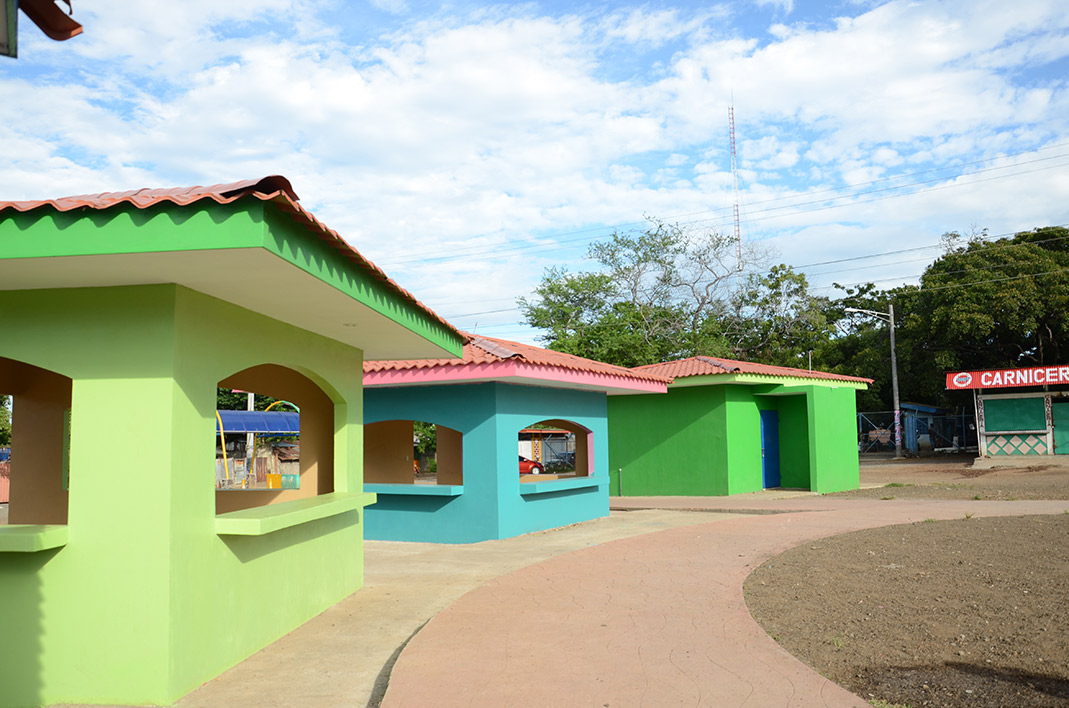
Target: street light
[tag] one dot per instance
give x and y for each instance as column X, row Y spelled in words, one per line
column 889, row 317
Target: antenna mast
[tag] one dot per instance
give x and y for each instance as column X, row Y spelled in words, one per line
column 735, row 189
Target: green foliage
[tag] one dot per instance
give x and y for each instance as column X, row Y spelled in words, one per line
column 660, row 294
column 5, row 421
column 777, row 321
column 981, row 305
column 998, row 303
column 227, row 400
column 666, row 293
column 426, row 437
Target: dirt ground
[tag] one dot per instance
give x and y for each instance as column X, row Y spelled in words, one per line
column 970, row 612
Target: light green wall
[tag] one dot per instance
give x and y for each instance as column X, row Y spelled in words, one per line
column 704, row 440
column 833, row 456
column 146, row 601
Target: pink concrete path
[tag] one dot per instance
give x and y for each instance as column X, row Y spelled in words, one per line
column 651, row 621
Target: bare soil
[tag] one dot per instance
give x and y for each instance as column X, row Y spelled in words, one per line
column 965, row 613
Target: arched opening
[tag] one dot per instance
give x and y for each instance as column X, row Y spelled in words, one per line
column 554, row 449
column 267, row 456
column 412, row 452
column 37, row 464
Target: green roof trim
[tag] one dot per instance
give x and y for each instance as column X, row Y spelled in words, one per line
column 125, row 230
column 291, row 241
column 763, row 379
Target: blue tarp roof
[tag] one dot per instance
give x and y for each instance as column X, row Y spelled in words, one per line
column 277, row 422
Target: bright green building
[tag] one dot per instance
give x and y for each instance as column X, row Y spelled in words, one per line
column 727, row 427
column 126, row 575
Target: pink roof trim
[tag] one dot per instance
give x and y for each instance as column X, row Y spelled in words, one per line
column 708, row 365
column 273, row 188
column 512, row 369
column 489, row 350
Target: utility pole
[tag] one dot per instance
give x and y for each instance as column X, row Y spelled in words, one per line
column 894, row 384
column 889, row 318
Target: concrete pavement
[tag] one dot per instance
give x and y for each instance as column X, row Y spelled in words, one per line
column 654, row 620
column 643, row 608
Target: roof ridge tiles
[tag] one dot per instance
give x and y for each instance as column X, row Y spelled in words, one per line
column 480, row 350
column 143, row 197
column 718, row 363
column 715, row 366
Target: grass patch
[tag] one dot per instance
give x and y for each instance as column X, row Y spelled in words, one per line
column 880, row 703
column 898, row 484
column 886, row 498
column 836, row 640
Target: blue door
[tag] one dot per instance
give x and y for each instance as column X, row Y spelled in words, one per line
column 770, row 448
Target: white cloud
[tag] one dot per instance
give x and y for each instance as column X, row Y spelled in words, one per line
column 493, row 129
column 786, row 6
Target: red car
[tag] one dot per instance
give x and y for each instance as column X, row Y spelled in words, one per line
column 530, row 466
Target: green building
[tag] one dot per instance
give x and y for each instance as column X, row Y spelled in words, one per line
column 727, row 427
column 128, row 574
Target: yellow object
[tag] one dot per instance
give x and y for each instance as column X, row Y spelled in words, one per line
column 222, row 443
column 274, row 480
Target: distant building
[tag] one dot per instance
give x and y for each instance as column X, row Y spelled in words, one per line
column 727, row 427
column 1023, row 411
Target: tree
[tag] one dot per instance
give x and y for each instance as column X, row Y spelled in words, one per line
column 861, row 344
column 776, row 321
column 660, row 294
column 426, row 435
column 227, row 400
column 992, row 304
column 5, row 421
column 982, row 304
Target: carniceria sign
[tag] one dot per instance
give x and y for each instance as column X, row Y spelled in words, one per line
column 1009, row 378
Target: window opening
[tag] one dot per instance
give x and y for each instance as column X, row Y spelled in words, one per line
column 257, row 447
column 35, row 422
column 412, row 452
column 553, row 449
column 274, row 438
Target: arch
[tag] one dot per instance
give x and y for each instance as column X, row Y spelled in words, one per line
column 389, row 456
column 40, row 440
column 316, row 462
column 582, row 463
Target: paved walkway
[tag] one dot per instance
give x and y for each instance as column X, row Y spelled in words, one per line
column 343, row 656
column 643, row 608
column 655, row 620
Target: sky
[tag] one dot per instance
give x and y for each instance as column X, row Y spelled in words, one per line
column 466, row 147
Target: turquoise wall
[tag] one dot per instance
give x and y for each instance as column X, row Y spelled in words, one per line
column 491, row 506
column 147, row 600
column 706, row 440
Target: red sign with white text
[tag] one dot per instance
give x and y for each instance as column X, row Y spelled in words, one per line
column 1009, row 378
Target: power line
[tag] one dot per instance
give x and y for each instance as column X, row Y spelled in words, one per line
column 464, row 252
column 990, row 246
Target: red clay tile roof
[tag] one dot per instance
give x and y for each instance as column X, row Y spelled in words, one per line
column 273, row 188
column 708, row 365
column 489, row 350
